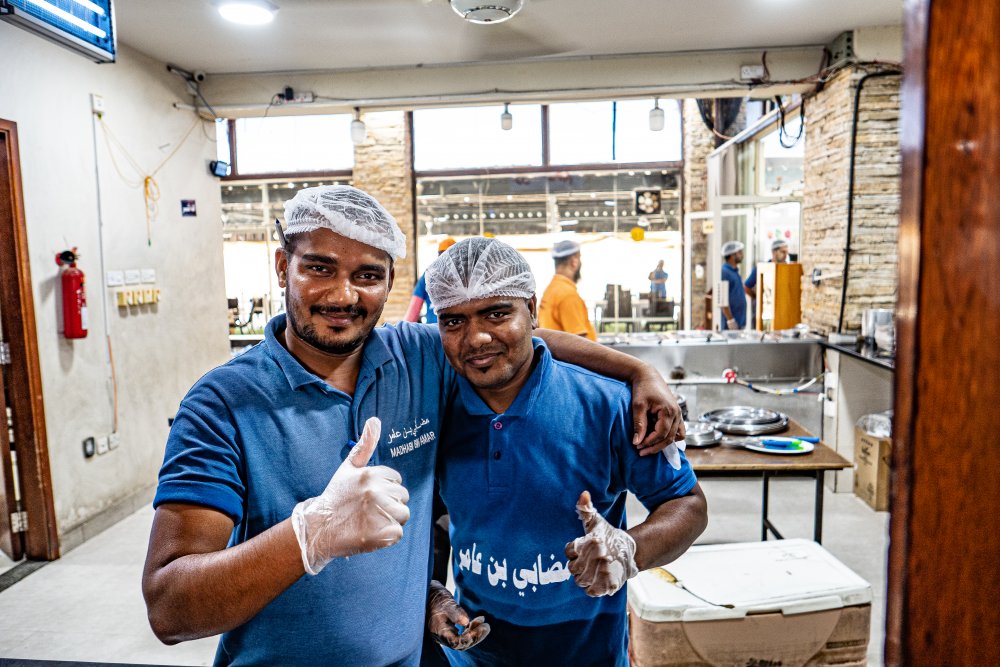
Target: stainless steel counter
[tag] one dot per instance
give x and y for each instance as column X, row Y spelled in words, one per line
column 693, row 363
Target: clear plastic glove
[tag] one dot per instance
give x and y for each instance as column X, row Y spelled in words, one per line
column 362, row 509
column 604, row 559
column 443, row 614
column 732, row 325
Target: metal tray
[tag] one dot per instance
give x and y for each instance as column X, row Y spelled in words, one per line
column 701, row 434
column 743, row 420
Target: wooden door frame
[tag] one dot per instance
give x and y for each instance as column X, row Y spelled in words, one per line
column 942, row 574
column 24, row 386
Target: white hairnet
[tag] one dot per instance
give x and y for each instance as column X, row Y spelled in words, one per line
column 731, row 248
column 565, row 249
column 348, row 212
column 778, row 243
column 478, row 268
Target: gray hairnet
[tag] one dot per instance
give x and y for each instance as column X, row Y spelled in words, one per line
column 348, row 212
column 731, row 248
column 478, row 268
column 565, row 249
column 778, row 243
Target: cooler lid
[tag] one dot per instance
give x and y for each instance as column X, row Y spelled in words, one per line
column 732, row 580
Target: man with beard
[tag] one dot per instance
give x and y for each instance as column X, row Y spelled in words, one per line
column 529, row 438
column 260, row 484
column 562, row 308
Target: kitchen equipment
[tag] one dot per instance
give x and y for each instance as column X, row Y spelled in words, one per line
column 682, row 402
column 701, row 434
column 744, row 420
column 871, row 318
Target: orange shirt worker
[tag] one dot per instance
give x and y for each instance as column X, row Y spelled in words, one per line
column 562, row 308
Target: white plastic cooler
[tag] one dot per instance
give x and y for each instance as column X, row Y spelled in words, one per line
column 781, row 602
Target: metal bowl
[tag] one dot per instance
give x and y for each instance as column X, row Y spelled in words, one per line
column 744, row 420
column 683, row 404
column 701, row 434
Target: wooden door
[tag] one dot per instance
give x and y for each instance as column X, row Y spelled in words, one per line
column 944, row 543
column 22, row 378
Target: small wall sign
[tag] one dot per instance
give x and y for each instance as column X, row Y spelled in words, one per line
column 189, row 208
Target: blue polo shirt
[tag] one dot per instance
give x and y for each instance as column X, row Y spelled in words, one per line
column 257, row 435
column 511, row 483
column 430, row 317
column 737, row 297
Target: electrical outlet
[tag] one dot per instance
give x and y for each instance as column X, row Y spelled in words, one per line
column 89, row 447
column 102, row 445
column 113, row 441
column 133, row 276
column 751, row 72
column 115, row 278
column 121, row 297
column 148, row 275
column 96, row 103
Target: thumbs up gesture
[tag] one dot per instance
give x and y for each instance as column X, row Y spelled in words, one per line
column 362, row 508
column 604, row 558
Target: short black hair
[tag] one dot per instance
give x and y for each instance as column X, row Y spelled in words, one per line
column 562, row 261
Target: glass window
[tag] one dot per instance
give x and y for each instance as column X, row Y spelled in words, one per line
column 222, row 140
column 582, row 132
column 471, row 138
column 783, row 153
column 292, row 144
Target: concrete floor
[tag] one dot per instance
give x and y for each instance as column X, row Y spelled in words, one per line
column 87, row 606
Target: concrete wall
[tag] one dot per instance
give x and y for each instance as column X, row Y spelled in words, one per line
column 159, row 350
column 872, row 276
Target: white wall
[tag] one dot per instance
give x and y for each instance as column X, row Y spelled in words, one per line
column 159, row 350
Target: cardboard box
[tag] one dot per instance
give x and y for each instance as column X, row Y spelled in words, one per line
column 871, row 469
column 781, row 602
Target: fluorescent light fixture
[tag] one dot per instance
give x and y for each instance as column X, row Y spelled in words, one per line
column 656, row 117
column 359, row 132
column 248, row 12
column 506, row 120
column 85, row 26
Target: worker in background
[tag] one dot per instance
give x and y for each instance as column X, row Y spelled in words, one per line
column 779, row 255
column 658, row 281
column 734, row 316
column 528, row 440
column 270, row 528
column 420, row 293
column 562, row 308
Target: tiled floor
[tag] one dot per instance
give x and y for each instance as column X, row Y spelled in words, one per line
column 87, row 606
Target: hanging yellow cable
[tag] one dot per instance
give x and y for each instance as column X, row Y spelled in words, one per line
column 150, row 188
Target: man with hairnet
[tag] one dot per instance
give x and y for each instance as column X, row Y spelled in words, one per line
column 561, row 308
column 734, row 316
column 529, row 439
column 272, row 527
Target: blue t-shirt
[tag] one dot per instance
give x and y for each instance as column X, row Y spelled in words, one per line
column 737, row 297
column 420, row 291
column 511, row 483
column 751, row 280
column 658, row 289
column 257, row 435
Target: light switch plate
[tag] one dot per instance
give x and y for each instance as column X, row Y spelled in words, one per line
column 149, row 275
column 132, row 276
column 115, row 278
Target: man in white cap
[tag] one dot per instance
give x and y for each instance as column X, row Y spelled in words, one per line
column 260, row 484
column 734, row 316
column 561, row 307
column 528, row 439
column 779, row 255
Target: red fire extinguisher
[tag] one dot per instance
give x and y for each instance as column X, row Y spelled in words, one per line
column 74, row 296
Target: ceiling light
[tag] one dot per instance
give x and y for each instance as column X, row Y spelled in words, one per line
column 656, row 118
column 506, row 120
column 248, row 12
column 358, row 130
column 486, row 11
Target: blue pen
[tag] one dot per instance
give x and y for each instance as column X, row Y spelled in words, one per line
column 782, row 444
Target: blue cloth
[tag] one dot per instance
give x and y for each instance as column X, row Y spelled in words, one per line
column 257, row 435
column 511, row 483
column 737, row 297
column 751, row 280
column 658, row 289
column 420, row 291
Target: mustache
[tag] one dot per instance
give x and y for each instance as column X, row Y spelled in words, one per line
column 352, row 311
column 483, row 351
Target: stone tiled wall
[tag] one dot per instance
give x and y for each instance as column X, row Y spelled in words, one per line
column 383, row 167
column 698, row 143
column 872, row 276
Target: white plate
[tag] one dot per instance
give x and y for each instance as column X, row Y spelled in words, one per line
column 806, row 448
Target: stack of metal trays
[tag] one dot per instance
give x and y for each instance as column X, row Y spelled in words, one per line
column 683, row 404
column 701, row 434
column 743, row 420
